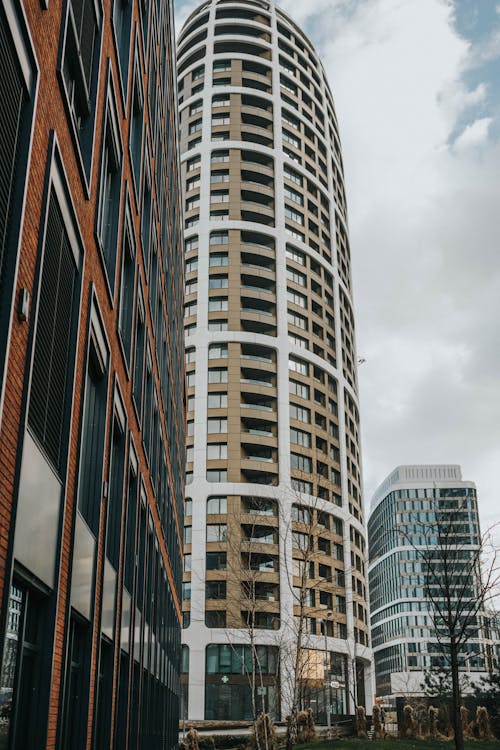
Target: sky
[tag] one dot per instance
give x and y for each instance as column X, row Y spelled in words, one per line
column 416, row 86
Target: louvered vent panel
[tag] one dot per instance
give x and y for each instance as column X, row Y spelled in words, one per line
column 51, row 368
column 12, row 95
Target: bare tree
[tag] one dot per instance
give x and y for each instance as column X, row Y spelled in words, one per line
column 457, row 568
column 307, row 529
column 248, row 575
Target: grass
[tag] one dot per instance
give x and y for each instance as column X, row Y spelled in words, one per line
column 396, row 744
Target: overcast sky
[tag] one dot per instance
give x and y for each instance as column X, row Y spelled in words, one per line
column 416, row 85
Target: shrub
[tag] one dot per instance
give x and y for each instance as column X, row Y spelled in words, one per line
column 361, row 732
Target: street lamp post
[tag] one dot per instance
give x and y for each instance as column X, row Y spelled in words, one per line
column 326, row 682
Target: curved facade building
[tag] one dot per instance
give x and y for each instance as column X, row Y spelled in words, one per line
column 274, row 535
column 406, row 512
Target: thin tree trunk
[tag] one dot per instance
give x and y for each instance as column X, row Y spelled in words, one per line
column 455, row 678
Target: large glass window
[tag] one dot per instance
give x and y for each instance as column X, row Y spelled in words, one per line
column 80, row 67
column 109, row 192
column 22, row 674
column 92, row 438
column 117, row 457
column 126, row 310
column 122, row 18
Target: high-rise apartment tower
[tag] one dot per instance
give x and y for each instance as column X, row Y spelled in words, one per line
column 91, row 376
column 418, row 511
column 274, row 527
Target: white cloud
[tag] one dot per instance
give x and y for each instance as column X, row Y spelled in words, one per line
column 423, row 226
column 424, row 231
column 474, row 134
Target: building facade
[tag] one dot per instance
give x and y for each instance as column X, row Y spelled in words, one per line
column 419, row 510
column 91, row 376
column 274, row 528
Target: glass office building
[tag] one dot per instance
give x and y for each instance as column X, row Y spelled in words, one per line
column 416, row 512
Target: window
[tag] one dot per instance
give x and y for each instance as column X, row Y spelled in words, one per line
column 147, row 208
column 291, row 175
column 190, row 308
column 216, row 451
column 191, row 265
column 221, row 100
column 192, row 221
column 216, row 561
column 295, row 255
column 221, row 65
column 218, row 325
column 219, row 175
column 80, row 66
column 301, row 541
column 217, row 532
column 298, row 365
column 219, row 215
column 116, row 473
column 217, row 400
column 296, row 298
column 298, row 341
column 188, row 507
column 299, row 437
column 193, row 202
column 215, row 618
column 299, row 321
column 188, row 534
column 198, row 73
column 215, row 590
column 296, row 276
column 136, row 123
column 140, row 343
column 218, row 282
column 301, row 514
column 300, row 413
column 217, row 351
column 217, row 505
column 218, row 304
column 293, row 195
column 131, row 520
column 216, row 425
column 300, row 463
column 217, row 475
column 217, row 375
column 52, row 370
column 122, row 17
column 195, row 127
column 22, row 670
column 291, row 138
column 219, row 157
column 299, row 389
column 193, row 164
column 219, row 238
column 219, row 196
column 109, row 191
column 193, row 183
column 218, row 259
column 126, row 309
column 191, row 243
column 196, row 107
column 93, row 428
column 290, row 213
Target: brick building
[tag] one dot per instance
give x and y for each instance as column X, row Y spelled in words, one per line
column 91, row 376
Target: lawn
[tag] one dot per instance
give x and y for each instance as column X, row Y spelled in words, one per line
column 395, row 744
